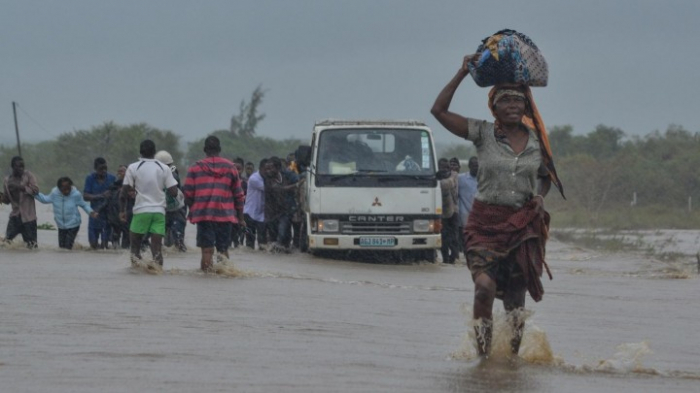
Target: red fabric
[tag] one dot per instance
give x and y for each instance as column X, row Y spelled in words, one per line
column 505, row 229
column 213, row 191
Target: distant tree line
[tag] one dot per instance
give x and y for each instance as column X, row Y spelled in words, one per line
column 615, row 180
column 72, row 153
column 606, row 173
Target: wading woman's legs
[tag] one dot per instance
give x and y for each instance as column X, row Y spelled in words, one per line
column 514, row 303
column 484, row 294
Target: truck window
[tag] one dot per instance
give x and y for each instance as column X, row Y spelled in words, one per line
column 375, row 152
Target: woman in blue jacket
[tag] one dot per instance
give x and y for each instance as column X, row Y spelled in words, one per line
column 66, row 199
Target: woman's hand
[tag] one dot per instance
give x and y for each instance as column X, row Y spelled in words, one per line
column 465, row 62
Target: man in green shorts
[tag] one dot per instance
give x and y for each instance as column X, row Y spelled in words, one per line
column 149, row 179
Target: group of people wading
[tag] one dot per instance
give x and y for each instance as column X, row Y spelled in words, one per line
column 146, row 203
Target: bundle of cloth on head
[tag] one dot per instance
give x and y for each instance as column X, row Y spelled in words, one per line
column 531, row 119
column 509, row 57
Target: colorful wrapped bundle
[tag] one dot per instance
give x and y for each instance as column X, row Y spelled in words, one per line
column 509, row 57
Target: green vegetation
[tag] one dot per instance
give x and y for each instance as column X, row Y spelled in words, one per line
column 47, row 226
column 72, row 153
column 618, row 182
column 636, row 183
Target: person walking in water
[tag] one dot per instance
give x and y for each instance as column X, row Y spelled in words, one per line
column 19, row 189
column 507, row 228
column 66, row 199
column 466, row 183
column 150, row 179
column 215, row 199
column 97, row 192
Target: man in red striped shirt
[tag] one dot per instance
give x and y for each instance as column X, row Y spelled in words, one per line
column 215, row 199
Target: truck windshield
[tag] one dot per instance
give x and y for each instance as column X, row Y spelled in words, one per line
column 374, row 156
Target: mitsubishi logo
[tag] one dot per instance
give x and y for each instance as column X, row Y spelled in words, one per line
column 376, row 202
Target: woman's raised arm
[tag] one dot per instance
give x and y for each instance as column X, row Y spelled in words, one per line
column 453, row 122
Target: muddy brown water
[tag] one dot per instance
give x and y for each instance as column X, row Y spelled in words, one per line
column 84, row 321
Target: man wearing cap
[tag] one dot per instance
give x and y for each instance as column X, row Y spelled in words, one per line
column 175, row 211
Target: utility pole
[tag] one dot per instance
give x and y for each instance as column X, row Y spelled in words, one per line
column 14, row 110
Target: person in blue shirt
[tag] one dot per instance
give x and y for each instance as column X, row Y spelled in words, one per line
column 66, row 199
column 467, row 191
column 97, row 192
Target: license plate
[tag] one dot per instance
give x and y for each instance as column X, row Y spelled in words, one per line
column 377, row 241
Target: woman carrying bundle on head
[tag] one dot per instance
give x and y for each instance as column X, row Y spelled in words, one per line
column 504, row 239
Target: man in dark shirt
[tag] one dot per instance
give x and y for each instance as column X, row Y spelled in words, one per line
column 97, row 192
column 280, row 203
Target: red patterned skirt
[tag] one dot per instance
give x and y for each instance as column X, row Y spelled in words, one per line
column 508, row 244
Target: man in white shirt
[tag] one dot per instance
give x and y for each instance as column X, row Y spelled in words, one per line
column 149, row 179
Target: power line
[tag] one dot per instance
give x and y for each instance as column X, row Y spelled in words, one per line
column 36, row 122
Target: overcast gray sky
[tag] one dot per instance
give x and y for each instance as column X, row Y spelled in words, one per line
column 185, row 66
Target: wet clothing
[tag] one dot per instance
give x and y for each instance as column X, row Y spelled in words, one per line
column 448, row 188
column 533, row 121
column 95, row 186
column 254, row 211
column 254, row 229
column 65, row 207
column 15, row 227
column 255, row 199
column 143, row 223
column 505, row 178
column 280, row 206
column 213, row 191
column 66, row 237
column 508, row 244
column 278, row 200
column 214, row 234
column 19, row 192
column 504, row 236
column 120, row 229
column 150, row 178
column 176, row 220
column 98, row 228
column 467, row 185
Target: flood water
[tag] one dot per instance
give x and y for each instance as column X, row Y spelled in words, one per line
column 84, row 321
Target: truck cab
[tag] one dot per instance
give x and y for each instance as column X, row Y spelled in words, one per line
column 371, row 185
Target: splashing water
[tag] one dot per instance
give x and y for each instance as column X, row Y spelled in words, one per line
column 628, row 358
column 534, row 347
column 145, row 266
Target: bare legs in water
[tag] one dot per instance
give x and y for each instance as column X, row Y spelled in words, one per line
column 156, row 246
column 513, row 302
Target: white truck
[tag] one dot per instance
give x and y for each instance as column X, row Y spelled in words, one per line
column 371, row 185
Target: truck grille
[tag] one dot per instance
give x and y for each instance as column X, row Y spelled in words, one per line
column 386, row 228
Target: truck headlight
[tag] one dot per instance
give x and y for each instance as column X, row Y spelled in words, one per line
column 328, row 225
column 422, row 225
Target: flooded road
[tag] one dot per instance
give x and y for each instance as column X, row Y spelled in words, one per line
column 84, row 321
